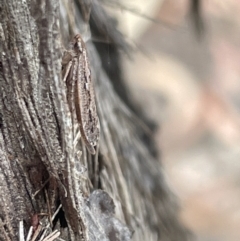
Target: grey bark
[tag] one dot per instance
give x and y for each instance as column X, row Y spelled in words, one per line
column 117, row 195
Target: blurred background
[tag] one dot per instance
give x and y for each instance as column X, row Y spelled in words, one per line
column 186, row 75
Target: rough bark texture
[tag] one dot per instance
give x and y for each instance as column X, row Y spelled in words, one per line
column 39, row 153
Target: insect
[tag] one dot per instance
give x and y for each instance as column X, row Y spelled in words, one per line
column 80, row 93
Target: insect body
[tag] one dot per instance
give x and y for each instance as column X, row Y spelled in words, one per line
column 80, row 93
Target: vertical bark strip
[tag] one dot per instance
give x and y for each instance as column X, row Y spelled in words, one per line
column 44, row 168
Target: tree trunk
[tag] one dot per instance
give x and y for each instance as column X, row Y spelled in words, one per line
column 45, row 169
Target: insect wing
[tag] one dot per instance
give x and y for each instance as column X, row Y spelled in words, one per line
column 85, row 100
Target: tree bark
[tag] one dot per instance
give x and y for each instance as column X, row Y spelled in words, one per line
column 119, row 193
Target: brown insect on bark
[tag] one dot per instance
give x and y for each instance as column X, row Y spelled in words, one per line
column 76, row 73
